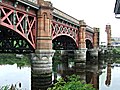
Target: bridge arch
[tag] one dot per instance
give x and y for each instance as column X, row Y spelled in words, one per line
column 17, row 29
column 13, row 42
column 64, row 42
column 60, row 29
column 89, row 44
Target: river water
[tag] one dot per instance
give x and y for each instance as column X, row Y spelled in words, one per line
column 13, row 75
column 105, row 75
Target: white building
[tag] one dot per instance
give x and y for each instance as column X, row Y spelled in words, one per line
column 115, row 41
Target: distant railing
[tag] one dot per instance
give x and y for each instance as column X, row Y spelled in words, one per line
column 65, row 16
column 88, row 28
column 34, row 1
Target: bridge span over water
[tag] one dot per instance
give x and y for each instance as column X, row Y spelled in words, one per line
column 35, row 26
column 27, row 25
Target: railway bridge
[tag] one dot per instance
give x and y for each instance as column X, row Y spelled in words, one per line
column 27, row 26
column 35, row 26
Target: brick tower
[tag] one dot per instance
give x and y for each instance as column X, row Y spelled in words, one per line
column 108, row 31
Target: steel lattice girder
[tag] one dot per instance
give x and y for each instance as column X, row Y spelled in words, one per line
column 61, row 29
column 11, row 41
column 20, row 22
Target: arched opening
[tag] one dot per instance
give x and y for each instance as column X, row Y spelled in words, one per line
column 13, row 42
column 64, row 43
column 89, row 46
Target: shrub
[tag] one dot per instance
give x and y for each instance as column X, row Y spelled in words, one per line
column 4, row 88
column 73, row 83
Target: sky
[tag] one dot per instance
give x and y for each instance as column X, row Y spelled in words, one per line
column 96, row 13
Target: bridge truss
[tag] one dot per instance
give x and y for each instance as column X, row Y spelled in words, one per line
column 17, row 27
column 60, row 29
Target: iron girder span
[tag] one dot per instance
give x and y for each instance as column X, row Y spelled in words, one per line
column 64, row 37
column 17, row 30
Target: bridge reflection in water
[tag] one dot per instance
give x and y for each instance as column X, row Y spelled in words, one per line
column 103, row 73
column 92, row 72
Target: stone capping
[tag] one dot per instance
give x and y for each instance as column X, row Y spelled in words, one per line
column 65, row 16
column 83, row 50
column 44, row 38
column 45, row 53
column 93, row 49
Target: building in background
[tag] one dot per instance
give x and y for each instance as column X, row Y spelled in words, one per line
column 115, row 41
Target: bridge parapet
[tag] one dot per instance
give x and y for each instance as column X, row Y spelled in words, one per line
column 19, row 21
column 90, row 29
column 31, row 3
column 34, row 1
column 64, row 16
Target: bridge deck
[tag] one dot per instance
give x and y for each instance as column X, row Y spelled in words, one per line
column 61, row 15
column 58, row 13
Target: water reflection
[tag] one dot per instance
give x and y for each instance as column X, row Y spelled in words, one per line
column 15, row 73
column 108, row 77
column 15, row 77
column 102, row 72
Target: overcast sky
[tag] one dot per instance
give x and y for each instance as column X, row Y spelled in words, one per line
column 96, row 13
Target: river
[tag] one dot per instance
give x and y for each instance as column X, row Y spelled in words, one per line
column 104, row 75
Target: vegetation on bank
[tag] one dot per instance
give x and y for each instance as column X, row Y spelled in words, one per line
column 12, row 59
column 57, row 55
column 116, row 50
column 4, row 88
column 56, row 59
column 72, row 83
column 116, row 54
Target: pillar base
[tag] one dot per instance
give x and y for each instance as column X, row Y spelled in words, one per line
column 93, row 52
column 80, row 58
column 41, row 70
column 80, row 63
column 80, row 55
column 93, row 58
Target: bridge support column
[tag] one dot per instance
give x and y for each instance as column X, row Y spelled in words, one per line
column 80, row 55
column 80, row 63
column 94, row 51
column 41, row 69
column 42, row 59
column 96, row 38
column 93, row 58
column 80, row 58
column 108, row 31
